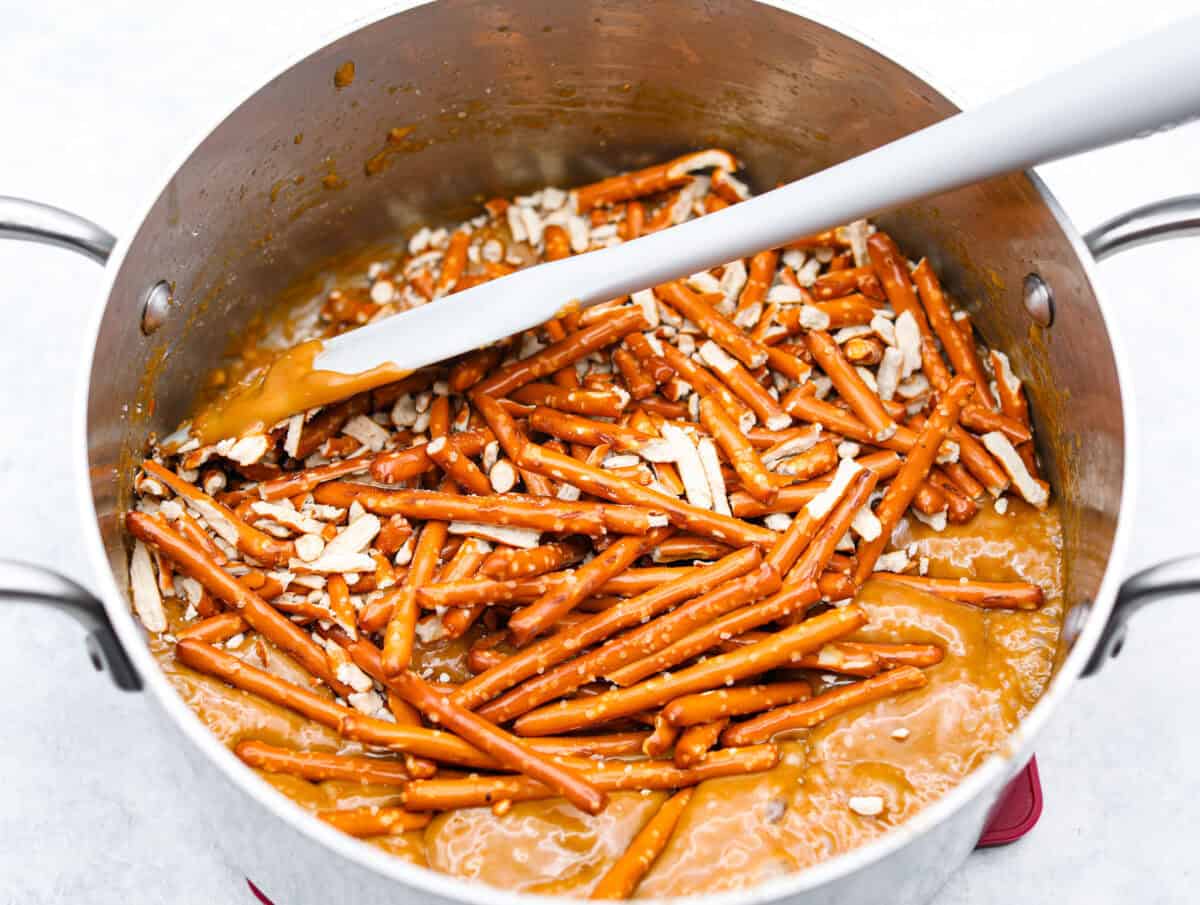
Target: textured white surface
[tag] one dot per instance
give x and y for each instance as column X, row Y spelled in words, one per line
column 95, row 99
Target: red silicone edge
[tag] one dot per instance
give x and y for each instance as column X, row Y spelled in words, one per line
column 1016, row 815
column 1018, row 811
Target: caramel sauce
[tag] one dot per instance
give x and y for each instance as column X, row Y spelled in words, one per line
column 288, row 385
column 738, row 831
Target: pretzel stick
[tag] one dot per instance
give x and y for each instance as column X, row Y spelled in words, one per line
column 779, row 649
column 811, row 563
column 702, row 381
column 469, row 558
column 980, row 420
column 850, row 385
column 317, row 766
column 511, row 562
column 715, row 325
column 806, row 714
column 617, row 744
column 214, row 629
column 846, row 661
column 613, row 776
column 399, row 636
column 792, row 599
column 758, row 281
column 892, row 269
column 593, row 403
column 979, row 462
column 560, row 354
column 328, row 422
column 536, row 618
column 892, row 655
column 688, row 547
column 563, row 645
column 440, row 746
column 371, row 820
column 598, row 483
column 575, row 429
column 742, row 456
column 916, row 468
column 507, row 750
column 960, row 348
column 661, row 740
column 493, row 509
column 472, row 368
column 787, row 364
column 651, row 362
column 710, row 706
column 458, row 467
column 454, row 262
column 620, row 881
column 837, row 283
column 649, row 181
column 303, row 481
column 745, row 387
column 250, row 540
column 813, row 462
column 848, row 311
column 257, row 613
column 394, row 467
column 987, row 594
column 695, row 742
column 801, row 404
column 795, row 497
column 639, row 383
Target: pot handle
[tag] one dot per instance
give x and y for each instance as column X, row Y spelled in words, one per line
column 1171, row 218
column 19, row 581
column 34, row 222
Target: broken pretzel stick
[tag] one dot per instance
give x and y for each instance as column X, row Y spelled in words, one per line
column 510, row 562
column 815, row 711
column 741, row 454
column 1017, row 595
column 593, row 403
column 317, row 766
column 865, row 403
column 710, row 706
column 695, row 742
column 651, row 180
column 371, row 820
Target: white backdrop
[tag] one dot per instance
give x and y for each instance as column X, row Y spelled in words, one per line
column 96, row 102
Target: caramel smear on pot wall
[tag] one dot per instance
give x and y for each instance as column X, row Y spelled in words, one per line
column 672, row 595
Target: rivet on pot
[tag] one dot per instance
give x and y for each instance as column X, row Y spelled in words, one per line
column 156, row 307
column 1039, row 300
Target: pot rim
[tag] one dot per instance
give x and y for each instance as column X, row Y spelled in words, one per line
column 987, row 778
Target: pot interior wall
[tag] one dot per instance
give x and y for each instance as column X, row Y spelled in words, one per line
column 499, row 98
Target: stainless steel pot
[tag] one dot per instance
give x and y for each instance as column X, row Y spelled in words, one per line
column 503, row 97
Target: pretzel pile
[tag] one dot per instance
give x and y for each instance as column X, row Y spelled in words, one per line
column 638, row 514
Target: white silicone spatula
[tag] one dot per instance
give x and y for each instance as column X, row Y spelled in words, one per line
column 1148, row 85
